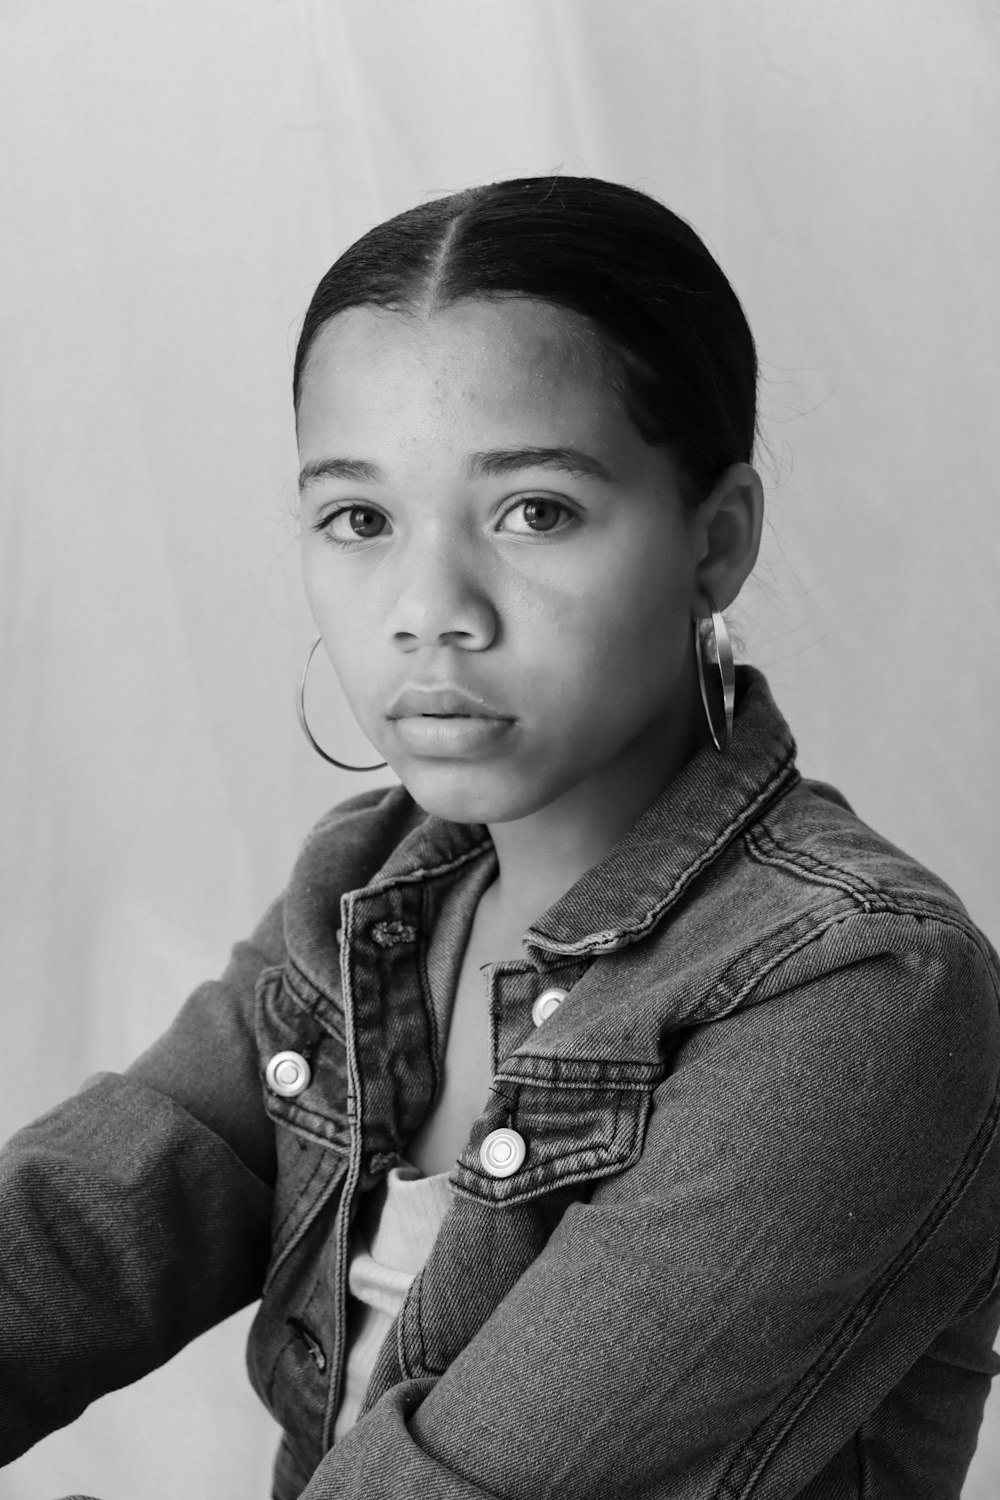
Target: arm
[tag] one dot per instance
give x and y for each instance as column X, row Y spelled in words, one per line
column 815, row 1203
column 136, row 1215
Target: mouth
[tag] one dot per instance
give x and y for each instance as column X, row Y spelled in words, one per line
column 426, row 702
column 439, row 722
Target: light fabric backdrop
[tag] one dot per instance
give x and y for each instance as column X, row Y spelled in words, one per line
column 174, row 178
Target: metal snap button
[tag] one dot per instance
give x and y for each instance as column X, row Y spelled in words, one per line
column 287, row 1074
column 502, row 1152
column 547, row 1004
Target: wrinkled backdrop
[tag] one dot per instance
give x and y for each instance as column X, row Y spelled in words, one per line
column 175, row 175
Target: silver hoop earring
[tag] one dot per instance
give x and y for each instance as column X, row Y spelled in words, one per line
column 300, row 705
column 712, row 645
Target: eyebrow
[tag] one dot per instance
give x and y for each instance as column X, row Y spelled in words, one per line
column 357, row 469
column 509, row 460
column 493, row 462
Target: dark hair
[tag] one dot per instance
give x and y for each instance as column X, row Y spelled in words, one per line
column 685, row 356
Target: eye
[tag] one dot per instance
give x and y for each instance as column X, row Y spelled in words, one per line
column 352, row 523
column 540, row 516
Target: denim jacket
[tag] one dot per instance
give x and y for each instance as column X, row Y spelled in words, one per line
column 752, row 1249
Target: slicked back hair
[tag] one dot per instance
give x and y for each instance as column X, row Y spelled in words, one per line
column 682, row 356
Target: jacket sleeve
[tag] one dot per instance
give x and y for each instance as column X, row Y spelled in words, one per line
column 817, row 1199
column 136, row 1215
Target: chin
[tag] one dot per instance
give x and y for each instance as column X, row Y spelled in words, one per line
column 471, row 794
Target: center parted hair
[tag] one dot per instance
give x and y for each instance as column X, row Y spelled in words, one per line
column 683, row 356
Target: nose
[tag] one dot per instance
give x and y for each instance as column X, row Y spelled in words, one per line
column 441, row 599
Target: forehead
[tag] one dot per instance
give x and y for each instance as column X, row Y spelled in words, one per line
column 506, row 367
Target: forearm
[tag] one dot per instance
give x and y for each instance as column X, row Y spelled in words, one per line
column 127, row 1228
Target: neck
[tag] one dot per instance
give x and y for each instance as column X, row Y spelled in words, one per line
column 542, row 855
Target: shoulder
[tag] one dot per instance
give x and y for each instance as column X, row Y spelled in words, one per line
column 809, row 866
column 815, row 922
column 381, row 806
column 852, row 940
column 814, row 836
column 842, row 1000
column 352, row 841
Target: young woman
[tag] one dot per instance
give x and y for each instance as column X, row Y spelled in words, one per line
column 604, row 1111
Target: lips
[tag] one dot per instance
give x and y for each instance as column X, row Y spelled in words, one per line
column 441, row 702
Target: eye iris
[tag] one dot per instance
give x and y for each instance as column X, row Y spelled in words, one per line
column 365, row 522
column 541, row 515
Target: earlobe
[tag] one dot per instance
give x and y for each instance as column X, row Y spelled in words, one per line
column 733, row 518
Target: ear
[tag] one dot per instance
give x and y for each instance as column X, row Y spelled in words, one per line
column 730, row 520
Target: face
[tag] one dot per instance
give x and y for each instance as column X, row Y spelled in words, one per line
column 502, row 570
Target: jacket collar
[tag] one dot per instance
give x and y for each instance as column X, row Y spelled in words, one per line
column 710, row 801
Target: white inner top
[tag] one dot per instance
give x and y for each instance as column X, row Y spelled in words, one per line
column 389, row 1244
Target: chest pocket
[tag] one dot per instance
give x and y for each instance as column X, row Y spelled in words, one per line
column 312, row 1130
column 578, row 1121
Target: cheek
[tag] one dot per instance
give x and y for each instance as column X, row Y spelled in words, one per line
column 618, row 654
column 340, row 603
column 599, row 669
column 340, row 618
column 617, row 618
column 311, row 557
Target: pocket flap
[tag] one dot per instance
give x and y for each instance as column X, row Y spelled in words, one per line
column 571, row 1133
column 286, row 1022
